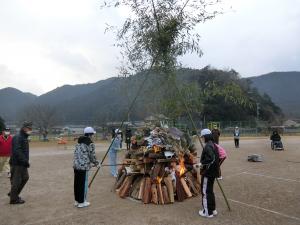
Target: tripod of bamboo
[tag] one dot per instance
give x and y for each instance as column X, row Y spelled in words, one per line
column 189, row 115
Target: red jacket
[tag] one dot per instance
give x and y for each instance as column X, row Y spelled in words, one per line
column 5, row 146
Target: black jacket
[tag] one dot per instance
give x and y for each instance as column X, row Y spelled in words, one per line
column 210, row 160
column 275, row 137
column 20, row 150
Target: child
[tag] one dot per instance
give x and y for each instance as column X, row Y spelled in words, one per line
column 84, row 157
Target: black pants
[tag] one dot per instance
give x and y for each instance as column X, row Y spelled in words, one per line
column 18, row 179
column 128, row 145
column 236, row 142
column 80, row 185
column 208, row 196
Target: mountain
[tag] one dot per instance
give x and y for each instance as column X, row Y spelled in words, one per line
column 283, row 88
column 12, row 101
column 108, row 100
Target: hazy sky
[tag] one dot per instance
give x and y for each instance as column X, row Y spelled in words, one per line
column 48, row 43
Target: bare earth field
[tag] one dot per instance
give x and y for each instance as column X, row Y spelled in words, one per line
column 259, row 193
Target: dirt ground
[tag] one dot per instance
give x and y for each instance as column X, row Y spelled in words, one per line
column 259, row 193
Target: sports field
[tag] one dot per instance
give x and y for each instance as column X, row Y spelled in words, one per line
column 259, row 193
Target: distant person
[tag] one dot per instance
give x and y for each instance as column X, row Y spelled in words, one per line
column 115, row 146
column 216, row 134
column 236, row 137
column 210, row 171
column 5, row 151
column 121, row 135
column 84, row 159
column 19, row 163
column 128, row 136
column 276, row 140
column 112, row 132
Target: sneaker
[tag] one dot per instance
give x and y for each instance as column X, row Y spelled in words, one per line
column 75, row 203
column 18, row 201
column 203, row 214
column 215, row 212
column 220, row 178
column 82, row 205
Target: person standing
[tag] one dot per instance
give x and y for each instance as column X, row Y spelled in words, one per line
column 128, row 136
column 84, row 159
column 209, row 171
column 236, row 136
column 5, row 151
column 115, row 146
column 19, row 163
column 216, row 134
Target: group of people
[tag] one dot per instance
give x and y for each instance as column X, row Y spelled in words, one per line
column 236, row 135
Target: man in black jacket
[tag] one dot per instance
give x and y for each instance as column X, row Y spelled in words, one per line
column 19, row 163
column 210, row 171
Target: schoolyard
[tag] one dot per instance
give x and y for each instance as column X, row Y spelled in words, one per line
column 259, row 193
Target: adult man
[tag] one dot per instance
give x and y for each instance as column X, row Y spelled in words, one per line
column 209, row 171
column 19, row 163
column 216, row 134
column 5, row 151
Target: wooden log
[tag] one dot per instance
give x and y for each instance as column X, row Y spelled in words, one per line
column 160, row 194
column 134, row 193
column 190, row 181
column 169, row 184
column 156, row 171
column 166, row 160
column 197, row 170
column 124, row 191
column 120, row 181
column 185, row 187
column 142, row 187
column 147, row 191
column 154, row 198
column 180, row 193
column 165, row 194
column 156, row 155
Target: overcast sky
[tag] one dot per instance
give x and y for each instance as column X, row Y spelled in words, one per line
column 48, row 43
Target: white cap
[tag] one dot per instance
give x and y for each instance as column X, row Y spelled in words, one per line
column 205, row 132
column 89, row 130
column 236, row 127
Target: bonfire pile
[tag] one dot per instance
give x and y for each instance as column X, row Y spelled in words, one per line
column 161, row 170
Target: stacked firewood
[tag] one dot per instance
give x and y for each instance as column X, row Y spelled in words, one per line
column 162, row 170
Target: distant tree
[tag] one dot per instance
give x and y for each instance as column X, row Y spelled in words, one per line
column 2, row 125
column 44, row 117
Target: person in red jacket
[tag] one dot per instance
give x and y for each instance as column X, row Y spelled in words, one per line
column 5, row 151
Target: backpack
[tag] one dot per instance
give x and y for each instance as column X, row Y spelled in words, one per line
column 221, row 150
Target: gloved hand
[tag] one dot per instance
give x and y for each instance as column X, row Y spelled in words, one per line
column 97, row 163
column 26, row 164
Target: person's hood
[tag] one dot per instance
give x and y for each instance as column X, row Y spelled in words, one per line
column 85, row 140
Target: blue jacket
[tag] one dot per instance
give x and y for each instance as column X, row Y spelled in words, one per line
column 20, row 150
